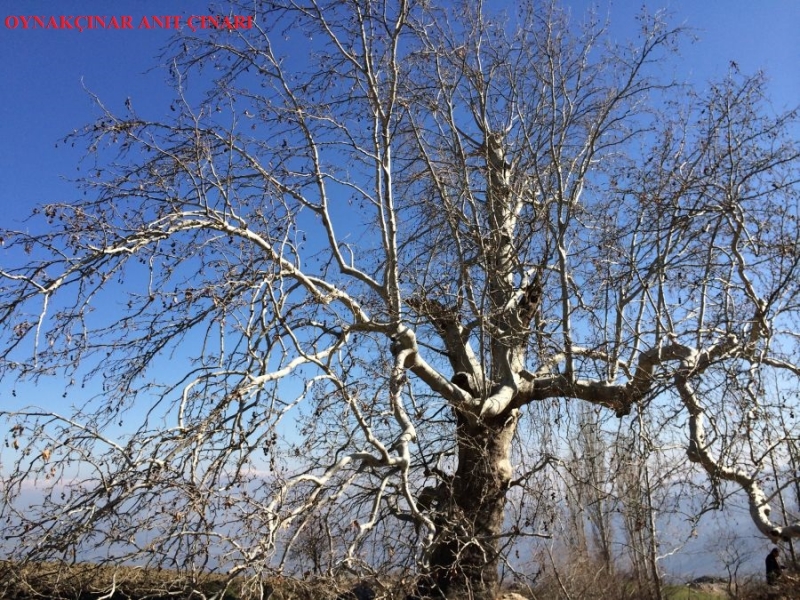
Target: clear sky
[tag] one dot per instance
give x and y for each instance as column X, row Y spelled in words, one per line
column 43, row 72
column 45, row 75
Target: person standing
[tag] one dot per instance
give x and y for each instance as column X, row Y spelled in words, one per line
column 774, row 569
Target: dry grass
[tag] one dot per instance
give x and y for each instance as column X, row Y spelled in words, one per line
column 59, row 581
column 87, row 581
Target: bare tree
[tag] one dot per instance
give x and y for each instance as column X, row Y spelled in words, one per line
column 399, row 243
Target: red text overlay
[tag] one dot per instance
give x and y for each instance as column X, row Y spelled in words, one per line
column 92, row 22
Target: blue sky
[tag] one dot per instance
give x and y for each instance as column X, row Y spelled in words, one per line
column 44, row 75
column 42, row 96
column 42, row 72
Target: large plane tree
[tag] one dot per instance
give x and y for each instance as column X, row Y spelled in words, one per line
column 313, row 303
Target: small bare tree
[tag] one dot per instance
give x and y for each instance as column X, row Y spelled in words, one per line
column 400, row 242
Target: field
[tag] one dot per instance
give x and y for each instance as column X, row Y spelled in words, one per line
column 93, row 582
column 685, row 592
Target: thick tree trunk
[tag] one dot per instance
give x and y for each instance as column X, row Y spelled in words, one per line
column 465, row 560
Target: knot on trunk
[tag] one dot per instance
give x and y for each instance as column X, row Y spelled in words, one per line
column 466, row 381
column 529, row 303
